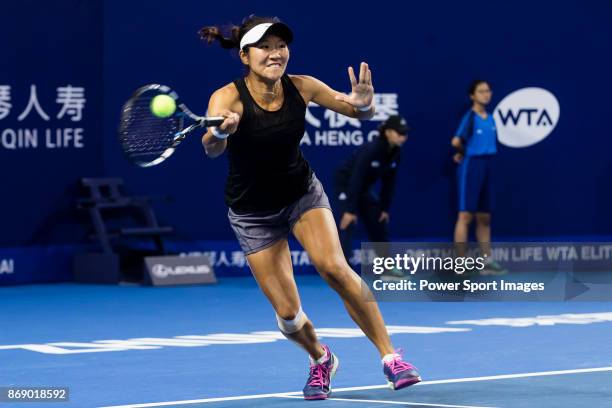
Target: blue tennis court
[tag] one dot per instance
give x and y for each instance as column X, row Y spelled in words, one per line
column 218, row 346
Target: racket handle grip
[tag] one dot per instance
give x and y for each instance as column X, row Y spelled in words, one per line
column 212, row 121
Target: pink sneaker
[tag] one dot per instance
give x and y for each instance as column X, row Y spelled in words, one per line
column 318, row 386
column 399, row 373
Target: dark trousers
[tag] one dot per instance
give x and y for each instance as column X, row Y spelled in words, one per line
column 368, row 213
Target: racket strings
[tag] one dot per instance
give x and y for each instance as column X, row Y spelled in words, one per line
column 144, row 136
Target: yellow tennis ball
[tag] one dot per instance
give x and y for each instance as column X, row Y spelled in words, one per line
column 163, row 106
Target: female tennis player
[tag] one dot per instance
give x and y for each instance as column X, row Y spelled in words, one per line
column 272, row 191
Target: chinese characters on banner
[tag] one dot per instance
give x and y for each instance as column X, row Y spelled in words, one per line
column 69, row 105
column 339, row 130
column 236, row 259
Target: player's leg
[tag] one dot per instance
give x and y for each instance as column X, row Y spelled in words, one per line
column 316, row 231
column 273, row 272
column 313, row 225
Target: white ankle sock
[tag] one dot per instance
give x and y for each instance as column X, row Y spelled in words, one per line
column 389, row 357
column 321, row 359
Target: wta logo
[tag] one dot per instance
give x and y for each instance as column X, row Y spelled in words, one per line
column 526, row 117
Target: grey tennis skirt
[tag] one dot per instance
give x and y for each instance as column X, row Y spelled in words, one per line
column 259, row 230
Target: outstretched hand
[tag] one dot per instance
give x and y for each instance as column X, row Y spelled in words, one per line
column 362, row 91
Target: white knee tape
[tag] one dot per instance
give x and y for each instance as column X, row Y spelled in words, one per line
column 291, row 326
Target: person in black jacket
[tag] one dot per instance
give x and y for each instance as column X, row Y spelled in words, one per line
column 377, row 160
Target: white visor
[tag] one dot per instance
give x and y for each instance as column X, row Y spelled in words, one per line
column 256, row 33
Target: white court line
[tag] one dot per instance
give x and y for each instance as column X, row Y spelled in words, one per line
column 367, row 387
column 418, row 404
column 488, row 378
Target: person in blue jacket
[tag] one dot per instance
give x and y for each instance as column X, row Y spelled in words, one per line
column 476, row 145
column 374, row 161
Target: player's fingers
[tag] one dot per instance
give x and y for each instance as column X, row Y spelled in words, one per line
column 231, row 116
column 352, row 76
column 363, row 67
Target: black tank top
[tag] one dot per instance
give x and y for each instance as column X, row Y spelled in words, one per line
column 267, row 170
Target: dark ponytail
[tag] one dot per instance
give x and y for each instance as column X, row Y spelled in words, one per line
column 212, row 33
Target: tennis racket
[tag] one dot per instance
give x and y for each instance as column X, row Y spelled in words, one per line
column 148, row 140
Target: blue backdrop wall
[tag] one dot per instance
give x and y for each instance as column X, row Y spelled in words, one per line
column 422, row 54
